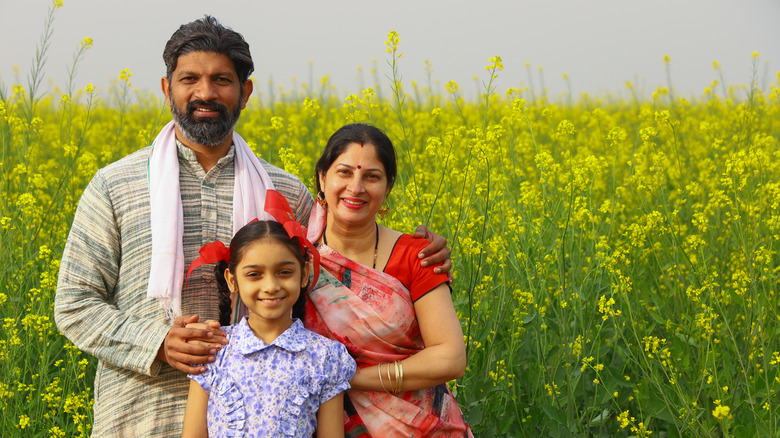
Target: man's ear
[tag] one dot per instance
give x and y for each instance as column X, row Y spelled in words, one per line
column 166, row 88
column 248, row 87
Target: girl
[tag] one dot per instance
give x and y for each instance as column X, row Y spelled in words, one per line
column 273, row 378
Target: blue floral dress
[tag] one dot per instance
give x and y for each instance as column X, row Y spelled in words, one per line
column 260, row 390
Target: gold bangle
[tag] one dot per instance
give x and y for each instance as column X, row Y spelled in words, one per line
column 379, row 371
column 396, row 391
column 400, row 377
column 389, row 382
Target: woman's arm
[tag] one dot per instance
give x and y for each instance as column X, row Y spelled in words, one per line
column 330, row 418
column 195, row 424
column 443, row 358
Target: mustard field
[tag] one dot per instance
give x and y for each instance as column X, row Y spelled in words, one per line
column 615, row 258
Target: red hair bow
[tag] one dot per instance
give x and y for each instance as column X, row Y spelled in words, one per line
column 209, row 253
column 277, row 206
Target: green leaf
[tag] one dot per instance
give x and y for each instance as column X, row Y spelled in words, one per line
column 600, row 418
column 687, row 339
column 555, row 414
column 474, row 413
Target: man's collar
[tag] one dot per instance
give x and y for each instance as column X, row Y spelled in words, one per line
column 189, row 155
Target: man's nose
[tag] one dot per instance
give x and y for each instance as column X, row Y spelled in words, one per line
column 207, row 90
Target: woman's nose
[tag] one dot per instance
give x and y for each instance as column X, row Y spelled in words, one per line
column 355, row 186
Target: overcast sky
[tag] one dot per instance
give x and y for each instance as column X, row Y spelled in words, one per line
column 599, row 44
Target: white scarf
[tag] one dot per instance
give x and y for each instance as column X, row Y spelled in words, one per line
column 167, row 218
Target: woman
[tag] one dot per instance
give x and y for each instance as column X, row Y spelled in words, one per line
column 395, row 317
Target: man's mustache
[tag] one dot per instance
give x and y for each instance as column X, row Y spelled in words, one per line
column 203, row 104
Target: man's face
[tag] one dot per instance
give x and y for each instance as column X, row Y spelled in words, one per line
column 206, row 97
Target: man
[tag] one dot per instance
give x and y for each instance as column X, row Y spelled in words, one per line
column 144, row 217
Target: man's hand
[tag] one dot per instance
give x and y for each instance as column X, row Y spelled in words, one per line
column 210, row 325
column 436, row 252
column 181, row 354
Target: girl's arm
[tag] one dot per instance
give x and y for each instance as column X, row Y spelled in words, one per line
column 444, row 356
column 330, row 418
column 195, row 425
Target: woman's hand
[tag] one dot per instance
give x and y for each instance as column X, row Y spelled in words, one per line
column 443, row 358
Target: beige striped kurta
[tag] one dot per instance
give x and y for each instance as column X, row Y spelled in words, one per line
column 101, row 303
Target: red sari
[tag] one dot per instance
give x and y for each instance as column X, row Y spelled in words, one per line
column 372, row 313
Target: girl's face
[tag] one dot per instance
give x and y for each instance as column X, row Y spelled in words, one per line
column 269, row 279
column 355, row 185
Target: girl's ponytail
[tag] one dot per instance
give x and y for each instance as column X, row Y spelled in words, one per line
column 225, row 301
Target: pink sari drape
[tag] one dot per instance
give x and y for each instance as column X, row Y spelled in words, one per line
column 373, row 315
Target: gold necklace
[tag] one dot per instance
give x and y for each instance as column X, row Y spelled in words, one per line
column 376, row 243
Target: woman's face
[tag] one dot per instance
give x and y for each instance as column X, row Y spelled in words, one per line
column 355, row 185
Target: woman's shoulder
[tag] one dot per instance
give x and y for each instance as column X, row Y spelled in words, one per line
column 404, row 252
column 407, row 242
column 404, row 265
column 403, row 244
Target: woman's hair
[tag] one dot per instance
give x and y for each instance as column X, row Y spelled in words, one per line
column 248, row 234
column 208, row 35
column 358, row 133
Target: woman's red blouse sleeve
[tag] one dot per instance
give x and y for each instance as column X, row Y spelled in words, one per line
column 405, row 266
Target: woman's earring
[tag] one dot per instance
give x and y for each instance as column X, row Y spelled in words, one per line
column 383, row 212
column 321, row 199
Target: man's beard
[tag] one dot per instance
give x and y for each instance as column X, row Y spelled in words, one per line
column 205, row 130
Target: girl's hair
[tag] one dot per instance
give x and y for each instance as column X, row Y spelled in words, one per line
column 249, row 233
column 358, row 133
